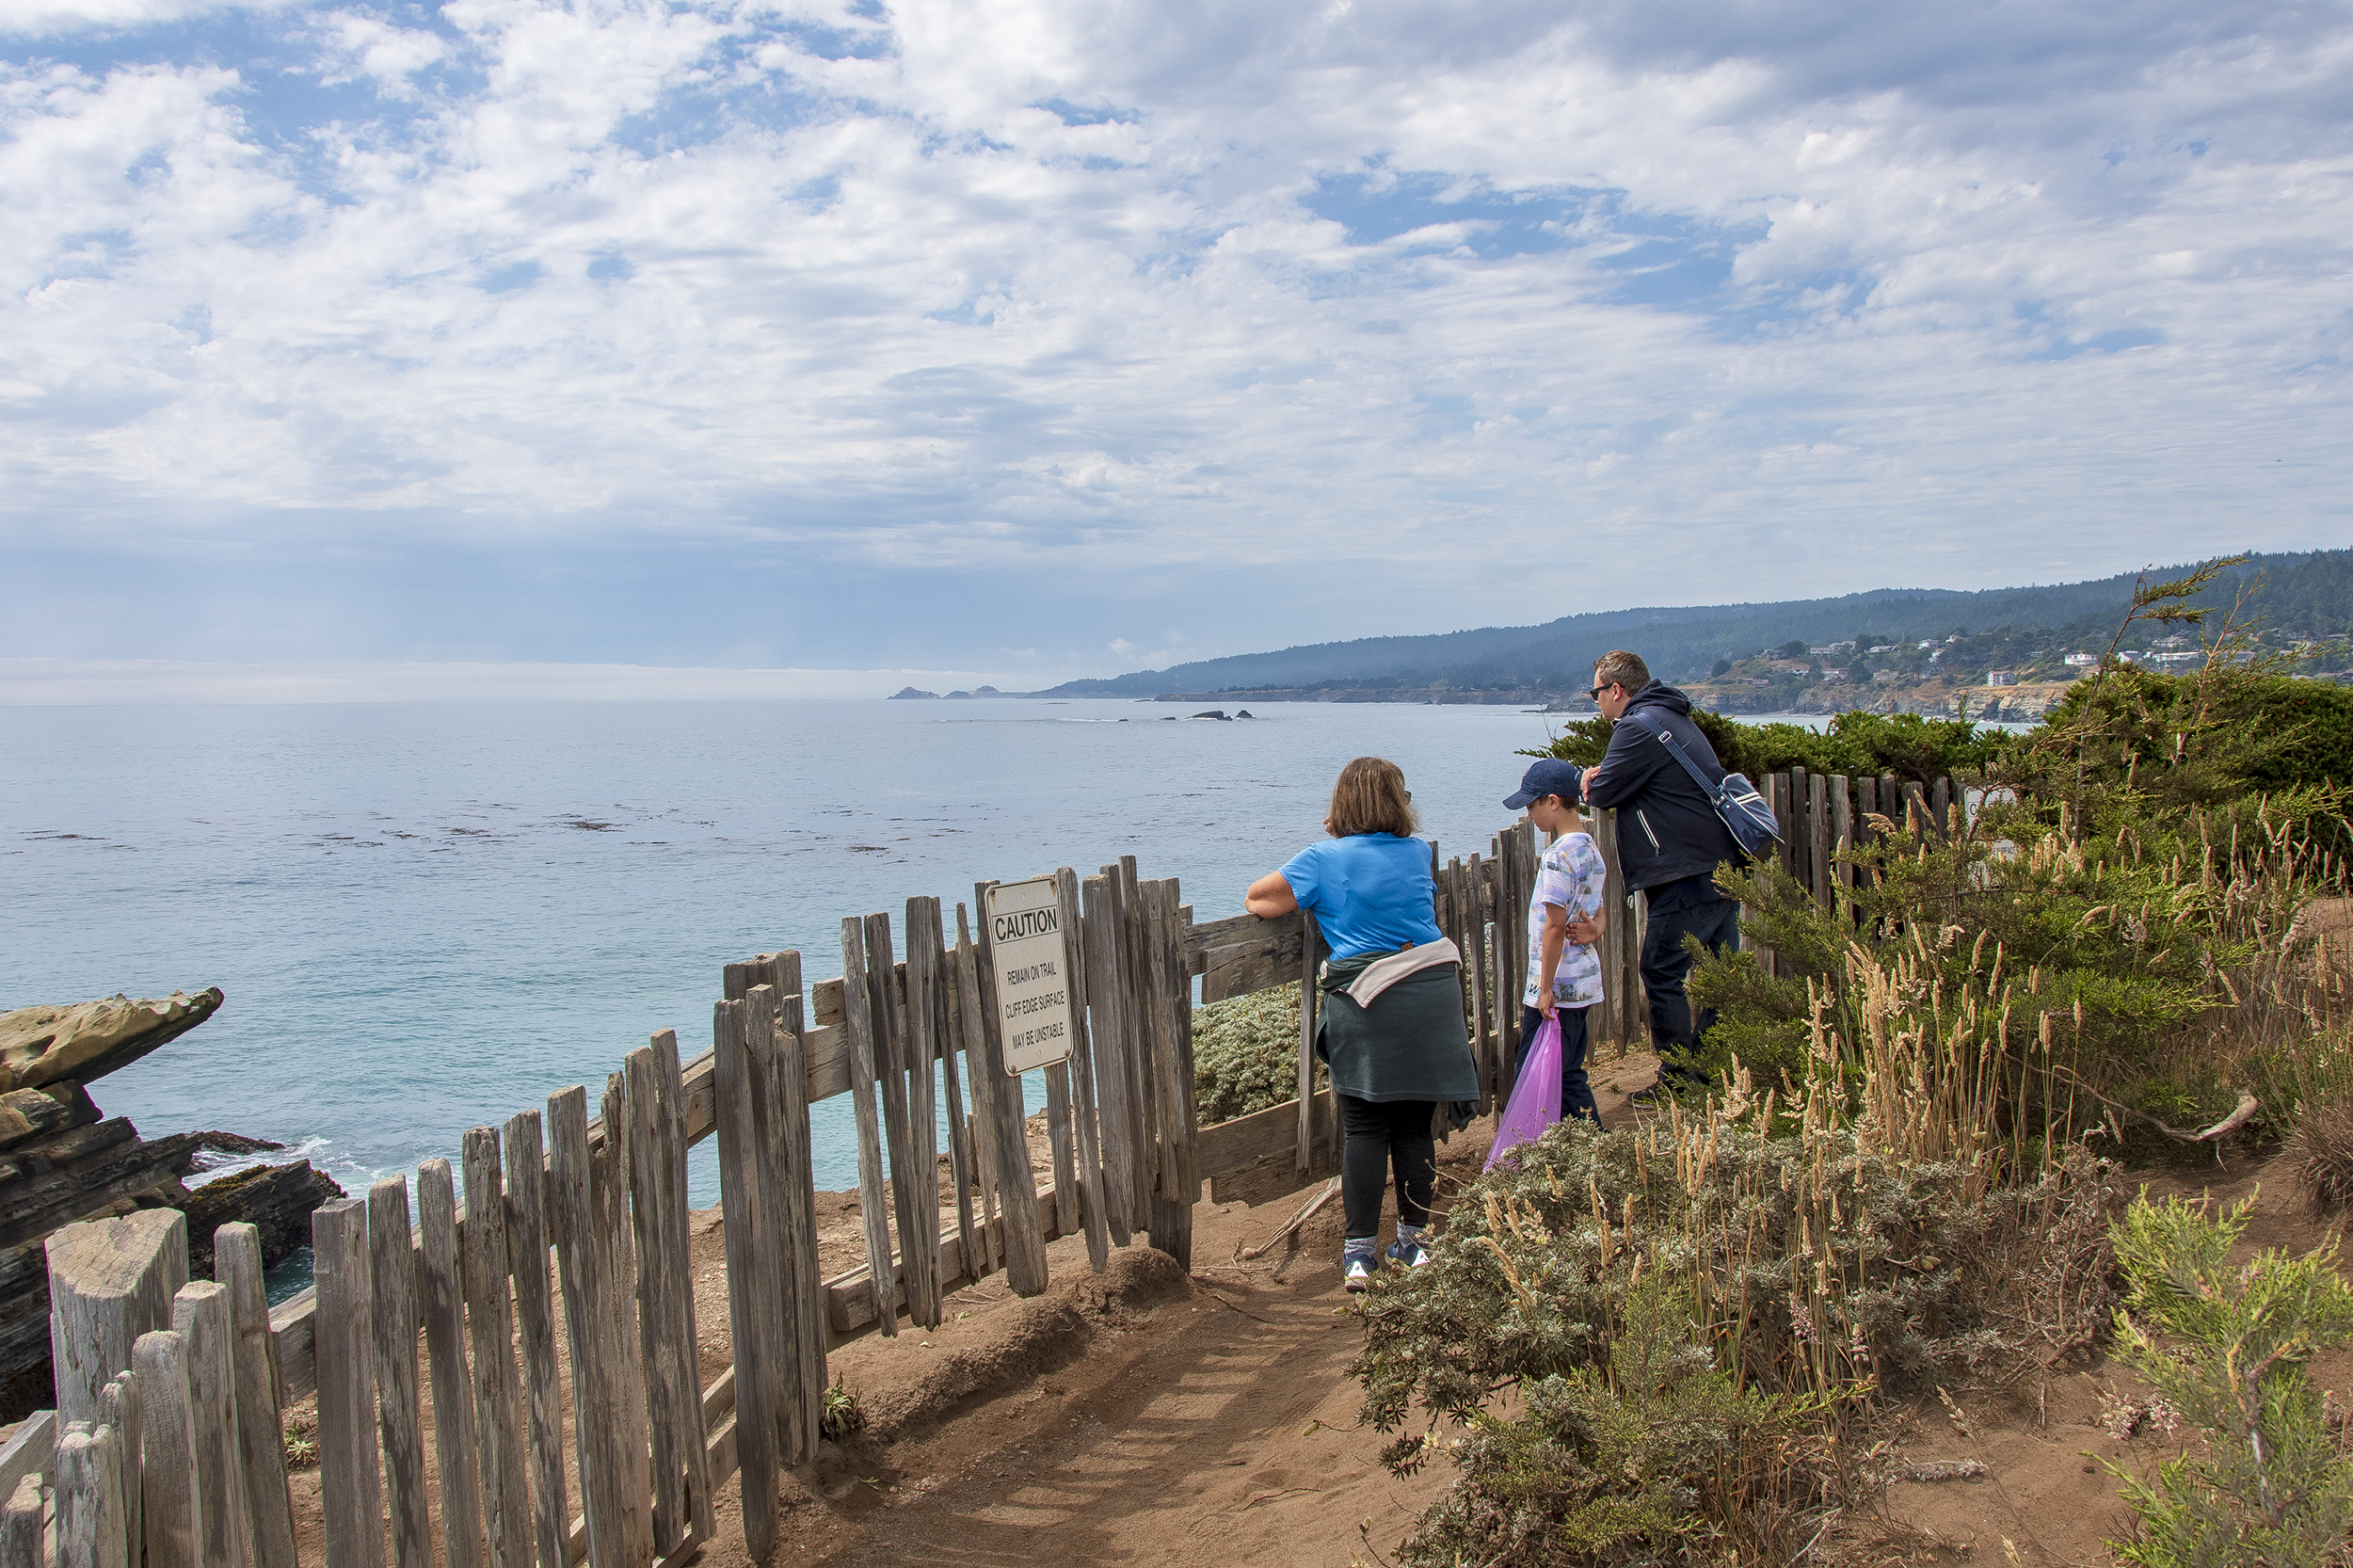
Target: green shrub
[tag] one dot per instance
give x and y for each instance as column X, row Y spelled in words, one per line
column 1245, row 1054
column 1905, row 744
column 2274, row 1486
column 1682, row 1308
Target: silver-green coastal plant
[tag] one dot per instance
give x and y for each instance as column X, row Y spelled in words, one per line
column 2274, row 1486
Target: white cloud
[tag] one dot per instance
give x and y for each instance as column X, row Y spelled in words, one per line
column 1768, row 301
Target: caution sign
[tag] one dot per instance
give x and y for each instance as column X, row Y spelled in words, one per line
column 1032, row 987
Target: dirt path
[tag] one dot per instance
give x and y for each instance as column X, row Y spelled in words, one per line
column 1143, row 1418
column 1147, row 1417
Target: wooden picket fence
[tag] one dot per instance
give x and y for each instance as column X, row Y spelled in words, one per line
column 431, row 1338
column 167, row 1446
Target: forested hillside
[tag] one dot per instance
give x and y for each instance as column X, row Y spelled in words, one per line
column 2299, row 596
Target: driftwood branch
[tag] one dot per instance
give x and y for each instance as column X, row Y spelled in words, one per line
column 1291, row 1227
column 2247, row 1107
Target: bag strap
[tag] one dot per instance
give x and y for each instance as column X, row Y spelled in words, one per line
column 1675, row 747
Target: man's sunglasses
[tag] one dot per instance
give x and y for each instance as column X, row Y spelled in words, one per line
column 1595, row 692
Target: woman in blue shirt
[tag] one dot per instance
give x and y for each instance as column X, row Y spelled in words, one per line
column 1392, row 1029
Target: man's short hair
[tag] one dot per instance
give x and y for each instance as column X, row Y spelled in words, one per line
column 1618, row 667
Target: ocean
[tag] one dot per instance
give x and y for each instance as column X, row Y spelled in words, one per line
column 429, row 916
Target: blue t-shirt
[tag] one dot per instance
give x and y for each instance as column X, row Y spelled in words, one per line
column 1370, row 893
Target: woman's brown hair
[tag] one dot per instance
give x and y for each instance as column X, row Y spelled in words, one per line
column 1370, row 798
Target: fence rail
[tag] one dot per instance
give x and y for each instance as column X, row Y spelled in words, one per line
column 432, row 1339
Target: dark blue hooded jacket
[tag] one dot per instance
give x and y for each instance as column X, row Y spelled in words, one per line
column 1667, row 829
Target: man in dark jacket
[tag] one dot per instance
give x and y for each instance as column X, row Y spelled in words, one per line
column 1670, row 842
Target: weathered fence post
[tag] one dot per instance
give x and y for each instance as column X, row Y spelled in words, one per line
column 1164, row 994
column 1111, row 1054
column 89, row 1498
column 393, row 1271
column 119, row 1407
column 745, row 1231
column 350, row 1487
column 456, row 1448
column 501, row 1441
column 1089, row 1168
column 534, row 1322
column 858, row 1027
column 109, row 1282
column 609, row 1162
column 200, row 1314
column 21, row 1526
column 261, row 1436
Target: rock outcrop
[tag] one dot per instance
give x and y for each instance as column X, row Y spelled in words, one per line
column 63, row 1160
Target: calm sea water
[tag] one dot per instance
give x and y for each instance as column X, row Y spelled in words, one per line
column 428, row 917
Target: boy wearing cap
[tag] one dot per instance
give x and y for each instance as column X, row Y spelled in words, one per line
column 1564, row 920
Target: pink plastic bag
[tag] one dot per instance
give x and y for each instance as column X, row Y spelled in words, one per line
column 1535, row 1103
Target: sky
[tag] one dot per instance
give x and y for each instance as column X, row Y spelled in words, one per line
column 814, row 348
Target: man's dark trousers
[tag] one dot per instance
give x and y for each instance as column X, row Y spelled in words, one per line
column 1691, row 907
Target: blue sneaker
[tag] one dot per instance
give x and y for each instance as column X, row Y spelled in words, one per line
column 1357, row 1275
column 1409, row 1254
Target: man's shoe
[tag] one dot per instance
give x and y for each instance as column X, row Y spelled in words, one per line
column 1356, row 1273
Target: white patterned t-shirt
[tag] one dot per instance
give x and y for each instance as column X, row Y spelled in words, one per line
column 1571, row 875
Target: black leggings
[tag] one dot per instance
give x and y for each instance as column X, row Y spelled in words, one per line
column 1379, row 1134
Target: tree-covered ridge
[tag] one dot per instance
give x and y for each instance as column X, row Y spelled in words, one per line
column 2303, row 598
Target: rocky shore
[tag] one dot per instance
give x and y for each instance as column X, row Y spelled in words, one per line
column 63, row 1160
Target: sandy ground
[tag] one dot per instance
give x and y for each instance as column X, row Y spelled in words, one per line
column 1146, row 1416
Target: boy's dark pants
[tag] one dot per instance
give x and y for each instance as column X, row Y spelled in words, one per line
column 1691, row 907
column 1576, row 1090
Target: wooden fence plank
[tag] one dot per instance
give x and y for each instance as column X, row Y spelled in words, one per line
column 963, row 1017
column 754, row 986
column 1162, row 976
column 1108, row 1050
column 804, row 1322
column 501, row 1445
column 936, row 982
column 261, row 1433
column 919, row 1039
column 392, row 1273
column 914, row 1199
column 1472, row 888
column 118, row 1407
column 674, row 1268
column 743, row 1212
column 1135, row 942
column 29, row 1452
column 535, row 1325
column 608, row 1170
column 1800, row 841
column 598, row 1429
column 343, row 1351
column 88, row 1498
column 1818, row 841
column 1025, row 1241
column 457, row 1446
column 199, row 1315
column 1088, row 1164
column 109, row 1282
column 1310, row 1001
column 1057, row 1156
column 172, row 1508
column 656, row 1300
column 21, row 1526
column 858, row 1025
column 1841, row 832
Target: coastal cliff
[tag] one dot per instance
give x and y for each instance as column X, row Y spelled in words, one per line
column 63, row 1160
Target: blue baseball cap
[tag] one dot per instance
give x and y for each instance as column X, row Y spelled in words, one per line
column 1548, row 776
